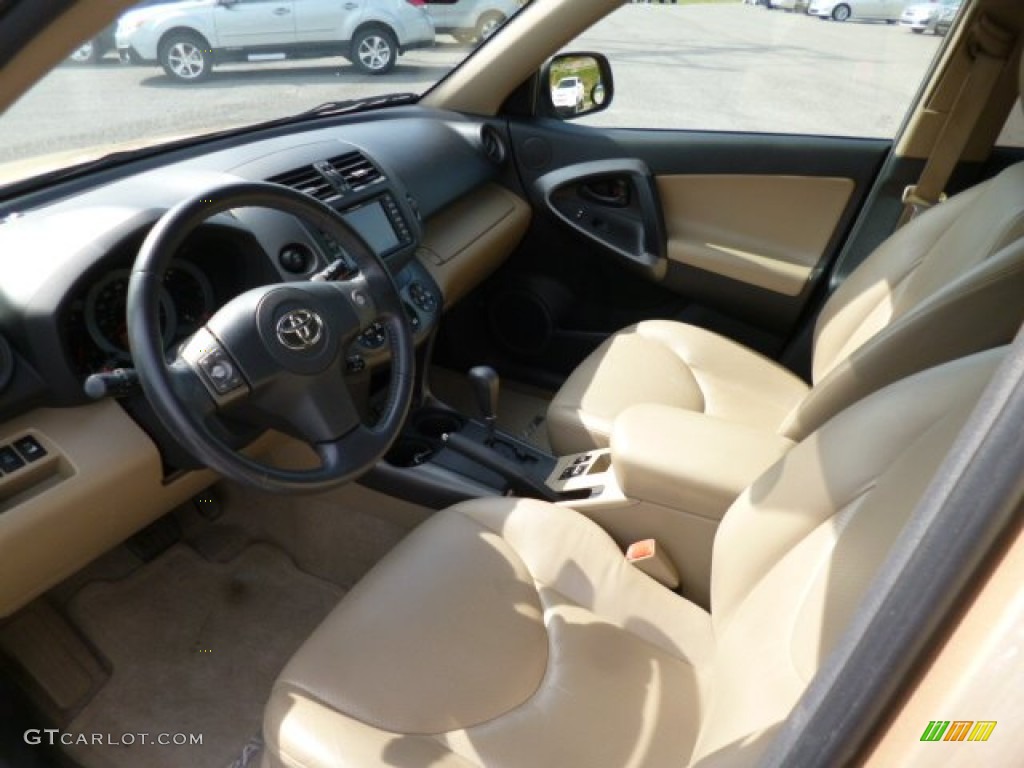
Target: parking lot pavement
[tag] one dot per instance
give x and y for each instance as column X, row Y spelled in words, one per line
column 744, row 68
column 714, row 67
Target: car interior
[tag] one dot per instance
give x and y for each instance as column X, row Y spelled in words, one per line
column 450, row 430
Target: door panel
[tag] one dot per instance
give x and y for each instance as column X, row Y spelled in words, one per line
column 767, row 231
column 249, row 23
column 777, row 206
column 614, row 205
column 442, row 12
column 326, row 20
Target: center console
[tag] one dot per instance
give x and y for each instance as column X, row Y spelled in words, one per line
column 443, row 456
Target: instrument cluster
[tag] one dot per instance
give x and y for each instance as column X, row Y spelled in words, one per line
column 97, row 323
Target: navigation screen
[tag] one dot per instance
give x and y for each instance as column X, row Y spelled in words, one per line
column 373, row 224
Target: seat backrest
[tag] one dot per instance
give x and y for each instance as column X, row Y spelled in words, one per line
column 898, row 314
column 796, row 552
column 926, row 295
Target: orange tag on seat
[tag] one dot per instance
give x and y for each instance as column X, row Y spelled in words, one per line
column 646, row 557
column 641, row 550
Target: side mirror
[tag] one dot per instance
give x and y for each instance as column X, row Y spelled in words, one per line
column 575, row 84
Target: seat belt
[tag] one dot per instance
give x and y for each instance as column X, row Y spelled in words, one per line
column 989, row 48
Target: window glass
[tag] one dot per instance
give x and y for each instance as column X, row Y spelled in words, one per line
column 173, row 69
column 1012, row 134
column 732, row 66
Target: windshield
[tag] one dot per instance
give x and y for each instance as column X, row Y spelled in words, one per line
column 176, row 69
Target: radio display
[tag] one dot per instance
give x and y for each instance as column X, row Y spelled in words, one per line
column 373, row 225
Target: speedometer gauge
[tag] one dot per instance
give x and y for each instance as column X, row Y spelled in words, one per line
column 192, row 296
column 106, row 315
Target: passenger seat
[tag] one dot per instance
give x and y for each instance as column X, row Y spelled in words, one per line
column 949, row 283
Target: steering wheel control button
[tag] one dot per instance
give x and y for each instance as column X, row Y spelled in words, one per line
column 29, row 448
column 373, row 337
column 300, row 329
column 422, row 298
column 355, row 364
column 220, row 371
column 10, row 461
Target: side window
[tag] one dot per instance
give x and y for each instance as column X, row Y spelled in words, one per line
column 852, row 70
column 1012, row 134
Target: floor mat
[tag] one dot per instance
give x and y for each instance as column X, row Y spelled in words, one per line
column 522, row 410
column 195, row 647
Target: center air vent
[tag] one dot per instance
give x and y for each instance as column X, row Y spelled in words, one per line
column 355, row 170
column 307, row 180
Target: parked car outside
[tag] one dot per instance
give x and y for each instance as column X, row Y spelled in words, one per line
column 470, row 20
column 922, row 17
column 188, row 38
column 568, row 94
column 945, row 18
column 93, row 50
column 787, row 5
column 889, row 11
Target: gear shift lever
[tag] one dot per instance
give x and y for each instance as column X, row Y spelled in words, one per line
column 498, row 455
column 485, row 386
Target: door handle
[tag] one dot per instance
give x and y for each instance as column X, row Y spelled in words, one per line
column 282, row 11
column 350, row 6
column 613, row 192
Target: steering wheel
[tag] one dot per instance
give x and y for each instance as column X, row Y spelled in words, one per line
column 272, row 357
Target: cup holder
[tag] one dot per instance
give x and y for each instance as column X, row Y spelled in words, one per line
column 409, row 452
column 435, row 424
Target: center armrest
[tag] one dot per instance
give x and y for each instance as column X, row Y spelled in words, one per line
column 689, row 461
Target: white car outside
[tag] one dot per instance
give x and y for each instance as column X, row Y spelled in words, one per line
column 922, row 16
column 469, row 20
column 874, row 10
column 187, row 38
column 788, row 5
column 568, row 94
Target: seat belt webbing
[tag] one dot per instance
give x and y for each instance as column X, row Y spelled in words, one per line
column 989, row 48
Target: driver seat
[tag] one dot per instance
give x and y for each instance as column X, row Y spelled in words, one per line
column 512, row 632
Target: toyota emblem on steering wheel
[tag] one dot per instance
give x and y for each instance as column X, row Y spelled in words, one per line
column 300, row 329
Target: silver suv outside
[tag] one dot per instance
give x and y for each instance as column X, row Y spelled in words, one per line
column 187, row 38
column 470, row 20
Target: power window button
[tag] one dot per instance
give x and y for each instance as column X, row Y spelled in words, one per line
column 9, row 460
column 29, row 448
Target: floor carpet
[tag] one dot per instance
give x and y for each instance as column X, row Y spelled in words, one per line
column 195, row 647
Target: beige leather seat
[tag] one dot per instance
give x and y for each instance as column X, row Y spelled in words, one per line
column 506, row 632
column 945, row 285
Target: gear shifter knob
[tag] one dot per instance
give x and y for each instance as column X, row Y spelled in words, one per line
column 485, row 386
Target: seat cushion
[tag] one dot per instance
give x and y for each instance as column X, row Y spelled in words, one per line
column 535, row 598
column 513, row 633
column 669, row 363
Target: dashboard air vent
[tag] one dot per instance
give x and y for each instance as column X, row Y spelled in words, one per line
column 493, row 145
column 355, row 170
column 308, row 181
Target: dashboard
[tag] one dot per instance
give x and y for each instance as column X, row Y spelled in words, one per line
column 65, row 314
column 429, row 192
